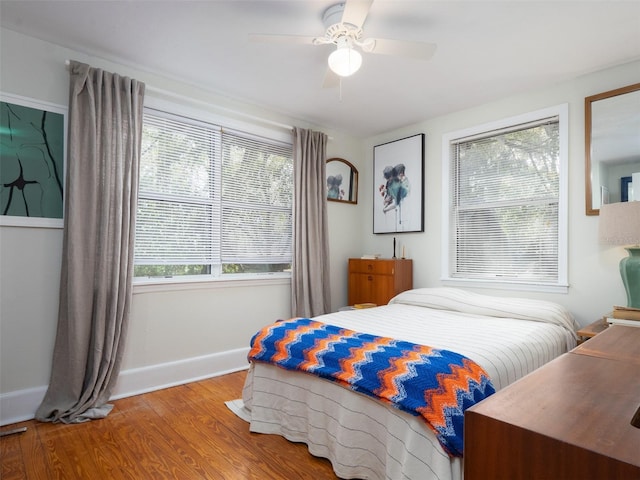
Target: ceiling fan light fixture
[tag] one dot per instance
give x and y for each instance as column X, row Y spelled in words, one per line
column 345, row 60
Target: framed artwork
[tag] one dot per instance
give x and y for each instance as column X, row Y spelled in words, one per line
column 342, row 181
column 32, row 162
column 398, row 186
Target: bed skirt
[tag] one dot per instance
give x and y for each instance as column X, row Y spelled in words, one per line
column 362, row 438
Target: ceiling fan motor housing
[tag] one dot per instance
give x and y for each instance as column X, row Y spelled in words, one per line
column 336, row 30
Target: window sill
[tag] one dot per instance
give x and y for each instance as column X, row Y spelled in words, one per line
column 229, row 281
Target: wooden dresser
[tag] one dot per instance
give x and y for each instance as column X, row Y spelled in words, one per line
column 378, row 281
column 570, row 419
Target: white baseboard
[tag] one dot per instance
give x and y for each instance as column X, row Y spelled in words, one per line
column 21, row 405
column 156, row 377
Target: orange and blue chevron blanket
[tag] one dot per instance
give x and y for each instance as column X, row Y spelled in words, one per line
column 438, row 385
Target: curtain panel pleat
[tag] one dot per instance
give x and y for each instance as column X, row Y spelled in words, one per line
column 310, row 292
column 105, row 127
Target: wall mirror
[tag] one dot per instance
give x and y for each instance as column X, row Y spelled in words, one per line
column 612, row 147
column 342, row 181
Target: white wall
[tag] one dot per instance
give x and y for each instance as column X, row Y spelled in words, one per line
column 595, row 284
column 175, row 333
column 178, row 334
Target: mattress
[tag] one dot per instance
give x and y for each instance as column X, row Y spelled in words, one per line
column 367, row 439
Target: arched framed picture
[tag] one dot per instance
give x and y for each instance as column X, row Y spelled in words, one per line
column 342, row 181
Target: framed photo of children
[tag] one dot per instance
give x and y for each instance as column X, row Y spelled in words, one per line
column 342, row 181
column 398, row 183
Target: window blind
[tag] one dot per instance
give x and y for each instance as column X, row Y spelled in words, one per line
column 177, row 211
column 504, row 204
column 211, row 201
column 257, row 193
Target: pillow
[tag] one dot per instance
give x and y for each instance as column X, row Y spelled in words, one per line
column 457, row 300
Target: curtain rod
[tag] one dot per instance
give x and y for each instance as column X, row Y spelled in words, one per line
column 185, row 98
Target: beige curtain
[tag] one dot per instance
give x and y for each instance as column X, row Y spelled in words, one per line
column 310, row 293
column 105, row 126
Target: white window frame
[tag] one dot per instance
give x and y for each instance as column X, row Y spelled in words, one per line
column 200, row 111
column 561, row 285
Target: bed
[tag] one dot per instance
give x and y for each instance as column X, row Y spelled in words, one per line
column 365, row 438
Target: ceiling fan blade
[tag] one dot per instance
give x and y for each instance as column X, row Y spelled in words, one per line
column 290, row 39
column 356, row 11
column 419, row 50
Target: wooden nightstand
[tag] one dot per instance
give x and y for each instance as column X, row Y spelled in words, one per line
column 591, row 330
column 378, row 281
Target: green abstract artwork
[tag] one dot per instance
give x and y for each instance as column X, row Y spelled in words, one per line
column 31, row 161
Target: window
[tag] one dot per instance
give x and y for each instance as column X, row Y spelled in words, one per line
column 506, row 217
column 211, row 201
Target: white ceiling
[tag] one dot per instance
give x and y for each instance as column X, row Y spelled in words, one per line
column 486, row 50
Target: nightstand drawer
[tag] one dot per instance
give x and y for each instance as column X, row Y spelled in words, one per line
column 376, row 267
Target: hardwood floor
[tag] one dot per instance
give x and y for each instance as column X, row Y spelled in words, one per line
column 184, row 433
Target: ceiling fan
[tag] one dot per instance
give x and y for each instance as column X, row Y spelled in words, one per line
column 344, row 29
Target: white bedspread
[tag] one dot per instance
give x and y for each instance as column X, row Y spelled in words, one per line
column 367, row 439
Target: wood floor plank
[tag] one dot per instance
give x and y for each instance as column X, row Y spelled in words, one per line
column 286, row 454
column 197, row 422
column 36, row 467
column 11, row 454
column 185, row 432
column 170, row 427
column 61, row 465
column 155, row 447
column 110, row 442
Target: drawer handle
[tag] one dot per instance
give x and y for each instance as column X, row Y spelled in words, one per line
column 370, row 278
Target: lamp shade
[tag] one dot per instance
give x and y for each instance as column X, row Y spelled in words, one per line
column 345, row 61
column 620, row 225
